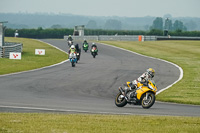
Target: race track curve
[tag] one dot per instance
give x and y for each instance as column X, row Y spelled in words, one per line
column 90, row 87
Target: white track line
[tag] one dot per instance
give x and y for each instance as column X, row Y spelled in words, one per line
column 42, row 67
column 74, row 111
column 43, row 109
column 180, row 69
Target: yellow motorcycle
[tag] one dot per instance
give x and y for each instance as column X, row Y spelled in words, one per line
column 143, row 95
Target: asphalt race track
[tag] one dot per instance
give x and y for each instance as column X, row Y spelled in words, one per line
column 90, row 87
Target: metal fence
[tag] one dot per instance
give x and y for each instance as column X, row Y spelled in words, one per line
column 1, row 52
column 112, row 38
column 130, row 38
column 176, row 38
column 10, row 47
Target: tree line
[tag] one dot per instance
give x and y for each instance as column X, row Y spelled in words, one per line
column 40, row 33
column 168, row 25
column 28, row 21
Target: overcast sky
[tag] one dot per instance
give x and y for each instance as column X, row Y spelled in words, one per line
column 128, row 8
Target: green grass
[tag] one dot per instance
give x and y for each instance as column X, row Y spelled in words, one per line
column 73, row 123
column 186, row 54
column 29, row 60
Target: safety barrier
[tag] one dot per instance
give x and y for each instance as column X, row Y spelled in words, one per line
column 176, row 38
column 1, row 52
column 10, row 47
column 130, row 38
column 112, row 38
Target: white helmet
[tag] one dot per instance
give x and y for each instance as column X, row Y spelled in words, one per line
column 72, row 47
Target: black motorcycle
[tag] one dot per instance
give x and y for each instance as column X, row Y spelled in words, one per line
column 94, row 51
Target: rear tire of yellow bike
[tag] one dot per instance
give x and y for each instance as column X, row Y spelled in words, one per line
column 120, row 102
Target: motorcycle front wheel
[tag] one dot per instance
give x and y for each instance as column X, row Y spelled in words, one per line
column 120, row 100
column 148, row 100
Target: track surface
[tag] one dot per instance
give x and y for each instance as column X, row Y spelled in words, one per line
column 90, row 87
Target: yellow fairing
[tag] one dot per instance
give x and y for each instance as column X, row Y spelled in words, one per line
column 142, row 91
column 139, row 84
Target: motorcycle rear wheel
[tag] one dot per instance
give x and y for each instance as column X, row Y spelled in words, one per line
column 119, row 101
column 147, row 103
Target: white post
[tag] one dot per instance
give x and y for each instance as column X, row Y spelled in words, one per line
column 142, row 38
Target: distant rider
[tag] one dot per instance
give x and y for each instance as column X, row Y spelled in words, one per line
column 70, row 38
column 78, row 50
column 72, row 50
column 94, row 45
column 85, row 45
column 85, row 42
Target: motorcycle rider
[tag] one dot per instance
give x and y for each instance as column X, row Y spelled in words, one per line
column 94, row 45
column 69, row 41
column 72, row 50
column 85, row 42
column 85, row 45
column 148, row 75
column 78, row 50
column 70, row 38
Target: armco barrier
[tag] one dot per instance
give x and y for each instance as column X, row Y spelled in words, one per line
column 111, row 38
column 10, row 47
column 129, row 38
column 149, row 38
column 1, row 52
column 176, row 38
column 81, row 38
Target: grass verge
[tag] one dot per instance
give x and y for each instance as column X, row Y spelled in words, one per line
column 186, row 54
column 73, row 123
column 29, row 60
